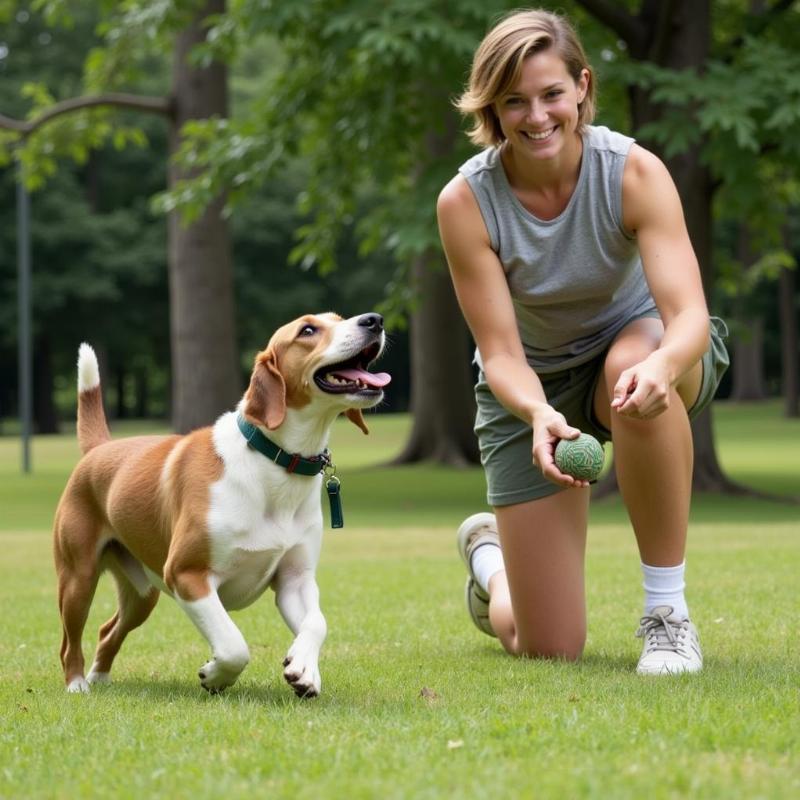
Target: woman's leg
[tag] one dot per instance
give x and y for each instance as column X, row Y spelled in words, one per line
column 654, row 460
column 653, row 457
column 537, row 605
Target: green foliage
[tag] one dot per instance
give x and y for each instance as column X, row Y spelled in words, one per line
column 360, row 92
column 744, row 113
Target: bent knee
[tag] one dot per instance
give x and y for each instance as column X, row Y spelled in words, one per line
column 560, row 649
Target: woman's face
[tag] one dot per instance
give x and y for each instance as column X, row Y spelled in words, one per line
column 540, row 114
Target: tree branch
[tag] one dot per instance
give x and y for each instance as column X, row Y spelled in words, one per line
column 624, row 24
column 760, row 21
column 153, row 105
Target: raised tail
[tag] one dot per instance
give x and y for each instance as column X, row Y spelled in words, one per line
column 92, row 425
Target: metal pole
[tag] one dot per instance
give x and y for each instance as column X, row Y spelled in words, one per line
column 24, row 314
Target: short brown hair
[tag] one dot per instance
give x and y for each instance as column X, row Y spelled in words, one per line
column 498, row 61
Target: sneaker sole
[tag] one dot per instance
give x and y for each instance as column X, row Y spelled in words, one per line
column 477, row 607
column 464, row 531
column 667, row 669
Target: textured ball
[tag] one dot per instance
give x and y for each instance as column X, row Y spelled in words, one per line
column 582, row 457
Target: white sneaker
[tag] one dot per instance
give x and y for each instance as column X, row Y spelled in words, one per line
column 671, row 645
column 477, row 530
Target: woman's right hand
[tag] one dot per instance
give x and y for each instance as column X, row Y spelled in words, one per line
column 549, row 426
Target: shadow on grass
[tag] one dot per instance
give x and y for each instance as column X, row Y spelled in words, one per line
column 158, row 690
column 602, row 663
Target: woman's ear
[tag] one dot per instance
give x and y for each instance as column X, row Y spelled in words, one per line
column 265, row 398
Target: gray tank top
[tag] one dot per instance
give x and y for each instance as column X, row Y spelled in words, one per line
column 575, row 280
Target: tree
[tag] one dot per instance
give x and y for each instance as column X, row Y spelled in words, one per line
column 711, row 138
column 99, row 264
column 364, row 100
column 205, row 365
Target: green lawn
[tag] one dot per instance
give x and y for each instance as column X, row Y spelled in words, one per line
column 486, row 725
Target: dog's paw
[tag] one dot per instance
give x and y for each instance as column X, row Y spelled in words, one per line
column 302, row 676
column 216, row 677
column 78, row 685
column 98, row 677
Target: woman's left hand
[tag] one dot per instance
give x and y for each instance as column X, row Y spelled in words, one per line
column 643, row 390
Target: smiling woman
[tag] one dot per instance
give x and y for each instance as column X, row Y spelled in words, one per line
column 572, row 264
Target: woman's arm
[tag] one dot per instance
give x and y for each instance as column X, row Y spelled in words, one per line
column 652, row 210
column 485, row 300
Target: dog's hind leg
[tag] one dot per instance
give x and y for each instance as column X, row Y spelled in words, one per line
column 136, row 599
column 76, row 586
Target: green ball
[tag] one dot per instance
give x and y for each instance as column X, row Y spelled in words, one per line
column 582, row 457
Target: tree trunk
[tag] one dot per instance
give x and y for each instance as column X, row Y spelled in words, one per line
column 442, row 397
column 442, row 400
column 789, row 350
column 205, row 378
column 676, row 35
column 748, row 362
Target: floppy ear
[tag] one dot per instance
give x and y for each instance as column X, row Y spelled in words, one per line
column 357, row 418
column 265, row 399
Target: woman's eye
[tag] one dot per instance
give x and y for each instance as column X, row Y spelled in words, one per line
column 307, row 330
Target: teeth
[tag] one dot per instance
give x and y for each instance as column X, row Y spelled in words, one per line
column 539, row 136
column 335, row 381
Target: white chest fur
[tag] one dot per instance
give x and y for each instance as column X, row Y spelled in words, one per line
column 258, row 513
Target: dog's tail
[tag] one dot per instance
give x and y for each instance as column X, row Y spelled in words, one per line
column 92, row 425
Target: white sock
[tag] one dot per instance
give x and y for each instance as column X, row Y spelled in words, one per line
column 487, row 559
column 663, row 586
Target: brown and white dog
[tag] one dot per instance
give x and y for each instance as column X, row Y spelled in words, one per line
column 205, row 517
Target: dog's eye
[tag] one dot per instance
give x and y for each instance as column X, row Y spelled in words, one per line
column 307, row 330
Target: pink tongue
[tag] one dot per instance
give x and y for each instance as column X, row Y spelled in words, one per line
column 376, row 379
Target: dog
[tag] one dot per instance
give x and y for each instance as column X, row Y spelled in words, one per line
column 208, row 517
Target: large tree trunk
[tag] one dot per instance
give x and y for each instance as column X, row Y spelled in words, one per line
column 789, row 349
column 442, row 398
column 442, row 401
column 205, row 368
column 748, row 361
column 676, row 35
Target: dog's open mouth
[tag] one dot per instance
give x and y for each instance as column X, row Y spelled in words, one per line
column 351, row 376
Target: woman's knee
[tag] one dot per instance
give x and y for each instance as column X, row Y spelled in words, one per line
column 558, row 649
column 633, row 344
column 563, row 645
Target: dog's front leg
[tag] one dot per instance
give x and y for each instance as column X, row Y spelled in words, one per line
column 297, row 598
column 229, row 651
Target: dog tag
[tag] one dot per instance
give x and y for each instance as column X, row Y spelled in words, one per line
column 333, row 488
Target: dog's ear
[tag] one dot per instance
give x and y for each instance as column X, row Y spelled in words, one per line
column 265, row 399
column 357, row 418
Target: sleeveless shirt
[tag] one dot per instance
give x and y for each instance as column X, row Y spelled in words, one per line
column 575, row 280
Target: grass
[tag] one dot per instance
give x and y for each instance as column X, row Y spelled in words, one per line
column 416, row 703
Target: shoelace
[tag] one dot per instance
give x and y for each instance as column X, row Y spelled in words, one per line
column 661, row 633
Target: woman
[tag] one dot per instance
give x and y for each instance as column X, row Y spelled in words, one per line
column 573, row 267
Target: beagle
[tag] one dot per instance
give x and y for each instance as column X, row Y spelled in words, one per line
column 208, row 517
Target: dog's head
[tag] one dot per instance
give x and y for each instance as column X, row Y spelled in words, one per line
column 318, row 358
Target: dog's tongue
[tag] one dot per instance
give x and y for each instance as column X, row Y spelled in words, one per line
column 375, row 379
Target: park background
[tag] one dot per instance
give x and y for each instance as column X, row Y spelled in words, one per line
column 198, row 174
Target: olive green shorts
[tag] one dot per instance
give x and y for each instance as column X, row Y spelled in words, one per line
column 506, row 441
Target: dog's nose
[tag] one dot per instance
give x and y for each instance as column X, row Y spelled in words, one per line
column 372, row 322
